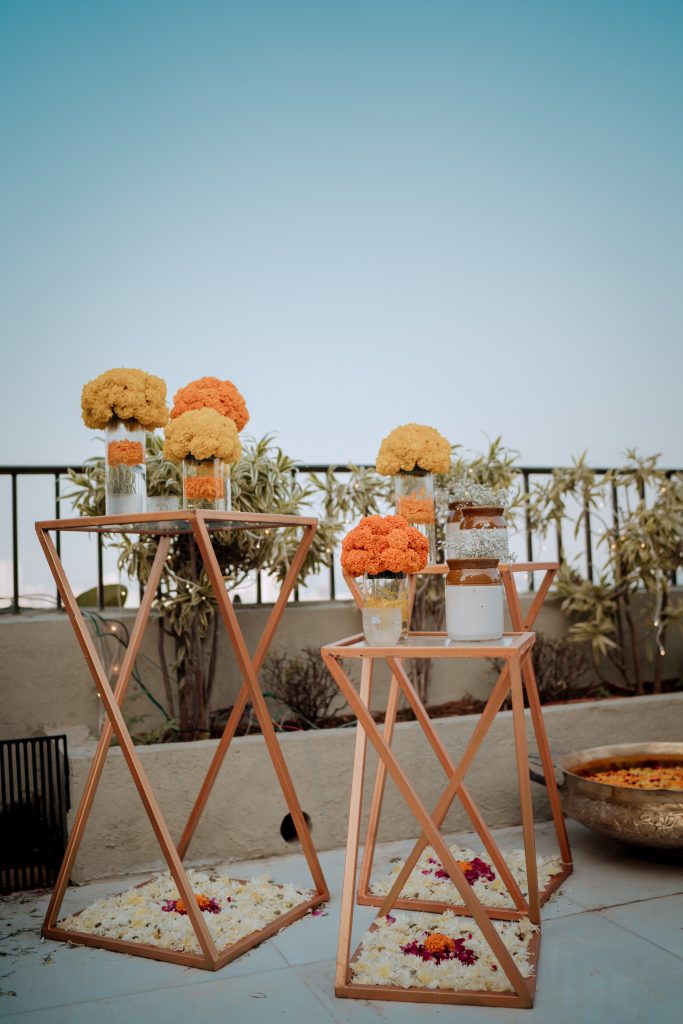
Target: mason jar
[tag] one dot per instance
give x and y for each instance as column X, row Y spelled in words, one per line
column 474, row 599
column 477, row 531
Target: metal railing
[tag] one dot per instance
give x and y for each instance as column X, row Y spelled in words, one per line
column 526, row 474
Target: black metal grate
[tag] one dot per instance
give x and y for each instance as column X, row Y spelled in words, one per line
column 34, row 800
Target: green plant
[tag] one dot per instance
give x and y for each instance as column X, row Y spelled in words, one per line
column 303, row 683
column 264, row 480
column 563, row 670
column 627, row 612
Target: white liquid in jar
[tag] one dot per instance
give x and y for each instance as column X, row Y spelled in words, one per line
column 474, row 612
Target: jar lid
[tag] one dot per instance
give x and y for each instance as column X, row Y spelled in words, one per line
column 472, row 563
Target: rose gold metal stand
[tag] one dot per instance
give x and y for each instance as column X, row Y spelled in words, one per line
column 401, row 683
column 514, row 649
column 165, row 525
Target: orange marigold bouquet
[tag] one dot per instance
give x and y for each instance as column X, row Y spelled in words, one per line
column 211, row 393
column 202, row 434
column 383, row 544
column 413, row 446
column 124, row 394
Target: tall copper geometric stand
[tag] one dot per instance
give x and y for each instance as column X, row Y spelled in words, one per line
column 520, row 623
column 201, row 525
column 516, row 678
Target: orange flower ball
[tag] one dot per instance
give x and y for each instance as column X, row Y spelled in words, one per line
column 212, row 393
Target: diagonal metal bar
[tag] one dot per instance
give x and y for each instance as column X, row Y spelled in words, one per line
column 462, row 791
column 120, row 729
column 520, row 622
column 244, row 693
column 486, row 719
column 248, row 673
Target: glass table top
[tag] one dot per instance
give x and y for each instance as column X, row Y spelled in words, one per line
column 164, row 523
column 436, row 642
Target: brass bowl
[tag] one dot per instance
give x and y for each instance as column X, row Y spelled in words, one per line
column 646, row 817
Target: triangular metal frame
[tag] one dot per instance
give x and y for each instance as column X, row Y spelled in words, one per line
column 112, row 700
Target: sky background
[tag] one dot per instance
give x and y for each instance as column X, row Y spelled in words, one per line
column 362, row 213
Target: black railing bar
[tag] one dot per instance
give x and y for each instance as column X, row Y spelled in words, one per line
column 27, row 791
column 588, row 540
column 527, row 527
column 60, row 795
column 48, row 751
column 259, row 587
column 58, row 536
column 15, row 547
column 321, row 467
column 100, row 573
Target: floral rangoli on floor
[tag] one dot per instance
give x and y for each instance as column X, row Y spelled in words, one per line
column 155, row 914
column 429, row 881
column 439, row 951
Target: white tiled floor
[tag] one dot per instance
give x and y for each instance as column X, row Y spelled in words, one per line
column 612, row 952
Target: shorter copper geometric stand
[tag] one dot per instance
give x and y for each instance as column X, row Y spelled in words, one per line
column 520, row 623
column 515, row 650
column 200, row 525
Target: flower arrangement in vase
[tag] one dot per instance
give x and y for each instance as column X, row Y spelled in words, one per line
column 206, row 443
column 384, row 549
column 125, row 403
column 206, row 417
column 412, row 454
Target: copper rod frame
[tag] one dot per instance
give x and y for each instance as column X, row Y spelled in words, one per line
column 161, row 524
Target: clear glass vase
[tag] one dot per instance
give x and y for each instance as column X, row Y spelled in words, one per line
column 414, row 493
column 125, row 477
column 206, row 484
column 385, row 604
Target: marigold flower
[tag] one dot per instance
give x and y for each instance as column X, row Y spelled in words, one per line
column 383, row 544
column 438, row 943
column 208, row 488
column 212, row 393
column 202, row 434
column 413, row 446
column 124, row 394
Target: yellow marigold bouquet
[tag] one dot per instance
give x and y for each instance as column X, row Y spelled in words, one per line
column 413, row 446
column 202, row 434
column 124, row 394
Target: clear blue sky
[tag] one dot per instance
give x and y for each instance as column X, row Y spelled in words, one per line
column 467, row 214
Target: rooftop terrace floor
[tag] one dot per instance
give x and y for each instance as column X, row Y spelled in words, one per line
column 612, row 951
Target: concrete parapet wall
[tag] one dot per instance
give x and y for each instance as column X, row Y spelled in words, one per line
column 244, row 813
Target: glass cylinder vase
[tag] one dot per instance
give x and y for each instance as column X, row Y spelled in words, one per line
column 125, row 475
column 414, row 493
column 384, row 604
column 206, row 484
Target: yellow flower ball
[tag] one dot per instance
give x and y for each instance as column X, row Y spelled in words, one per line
column 202, row 434
column 124, row 394
column 414, row 446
